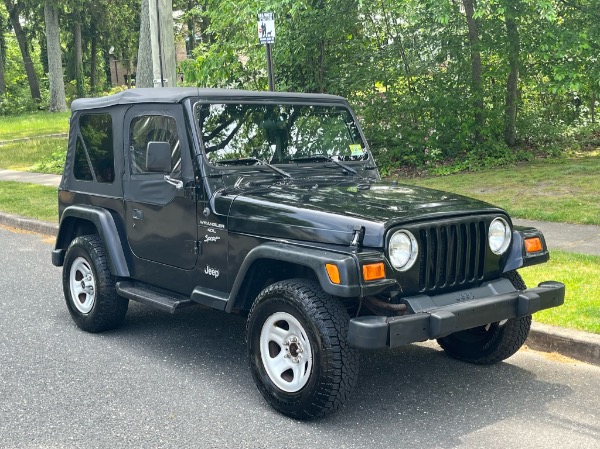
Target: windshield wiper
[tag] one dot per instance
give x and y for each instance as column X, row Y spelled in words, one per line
column 324, row 158
column 254, row 161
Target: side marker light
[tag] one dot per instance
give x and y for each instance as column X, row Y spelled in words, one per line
column 333, row 272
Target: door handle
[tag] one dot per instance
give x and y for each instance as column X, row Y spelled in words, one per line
column 174, row 182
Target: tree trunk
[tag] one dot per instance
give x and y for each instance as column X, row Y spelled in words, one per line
column 34, row 85
column 593, row 105
column 144, row 72
column 79, row 75
column 2, row 79
column 191, row 29
column 93, row 59
column 514, row 48
column 476, row 70
column 55, row 74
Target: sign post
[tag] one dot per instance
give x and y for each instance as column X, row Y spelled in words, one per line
column 266, row 36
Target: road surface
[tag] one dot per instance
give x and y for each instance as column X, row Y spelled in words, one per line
column 177, row 381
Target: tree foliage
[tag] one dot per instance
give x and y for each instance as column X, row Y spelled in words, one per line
column 433, row 80
column 473, row 81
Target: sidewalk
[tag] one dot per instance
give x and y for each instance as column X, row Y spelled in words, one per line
column 33, row 178
column 584, row 239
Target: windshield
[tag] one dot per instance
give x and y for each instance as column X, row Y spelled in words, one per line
column 278, row 134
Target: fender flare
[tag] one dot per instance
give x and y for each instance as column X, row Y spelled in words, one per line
column 518, row 256
column 105, row 224
column 315, row 259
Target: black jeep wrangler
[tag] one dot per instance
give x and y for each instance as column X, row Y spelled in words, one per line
column 270, row 205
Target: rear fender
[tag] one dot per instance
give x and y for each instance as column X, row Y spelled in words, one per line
column 75, row 217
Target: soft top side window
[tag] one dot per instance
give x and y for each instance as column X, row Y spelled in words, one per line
column 94, row 155
column 153, row 128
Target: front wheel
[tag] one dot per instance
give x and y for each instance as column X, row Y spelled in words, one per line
column 486, row 345
column 300, row 359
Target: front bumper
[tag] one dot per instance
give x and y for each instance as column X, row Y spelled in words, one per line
column 435, row 317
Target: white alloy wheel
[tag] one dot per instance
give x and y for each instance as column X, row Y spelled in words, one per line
column 285, row 351
column 83, row 285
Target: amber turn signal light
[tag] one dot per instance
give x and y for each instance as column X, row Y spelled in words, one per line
column 373, row 271
column 533, row 245
column 333, row 272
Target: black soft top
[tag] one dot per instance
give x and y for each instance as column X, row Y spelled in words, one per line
column 178, row 94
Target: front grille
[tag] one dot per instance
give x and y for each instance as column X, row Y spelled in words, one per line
column 451, row 254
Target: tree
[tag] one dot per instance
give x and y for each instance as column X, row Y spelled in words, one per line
column 2, row 63
column 78, row 50
column 55, row 75
column 514, row 49
column 476, row 70
column 14, row 8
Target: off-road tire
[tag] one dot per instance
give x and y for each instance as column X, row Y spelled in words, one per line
column 334, row 367
column 486, row 345
column 108, row 309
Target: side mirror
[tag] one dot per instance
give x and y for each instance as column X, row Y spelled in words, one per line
column 158, row 157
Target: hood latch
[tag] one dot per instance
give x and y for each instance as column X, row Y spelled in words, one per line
column 357, row 238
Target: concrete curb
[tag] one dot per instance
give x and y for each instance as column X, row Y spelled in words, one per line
column 578, row 345
column 28, row 224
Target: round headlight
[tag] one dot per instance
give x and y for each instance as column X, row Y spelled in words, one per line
column 403, row 250
column 499, row 236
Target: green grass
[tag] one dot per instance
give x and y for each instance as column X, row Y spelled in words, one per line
column 29, row 200
column 31, row 125
column 580, row 274
column 561, row 190
column 24, row 155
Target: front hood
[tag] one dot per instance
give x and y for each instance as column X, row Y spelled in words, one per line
column 330, row 213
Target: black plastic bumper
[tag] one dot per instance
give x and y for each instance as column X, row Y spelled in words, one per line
column 371, row 332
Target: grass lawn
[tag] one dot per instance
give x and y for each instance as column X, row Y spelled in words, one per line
column 580, row 274
column 560, row 190
column 23, row 155
column 31, row 125
column 29, row 200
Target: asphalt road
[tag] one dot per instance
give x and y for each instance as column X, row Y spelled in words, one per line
column 178, row 381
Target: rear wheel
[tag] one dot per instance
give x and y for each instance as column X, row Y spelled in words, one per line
column 297, row 349
column 492, row 343
column 89, row 287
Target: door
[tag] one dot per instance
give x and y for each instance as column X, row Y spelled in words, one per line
column 160, row 207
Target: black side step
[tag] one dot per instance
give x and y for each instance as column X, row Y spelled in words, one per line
column 166, row 301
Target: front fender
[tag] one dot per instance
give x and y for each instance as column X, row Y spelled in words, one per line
column 315, row 259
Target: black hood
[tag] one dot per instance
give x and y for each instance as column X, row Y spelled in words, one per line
column 329, row 212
